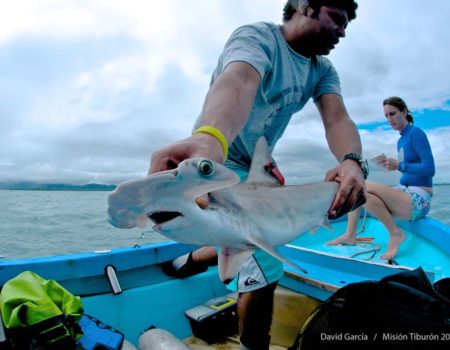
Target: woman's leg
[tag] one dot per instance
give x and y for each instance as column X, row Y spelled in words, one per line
column 349, row 236
column 385, row 203
column 397, row 203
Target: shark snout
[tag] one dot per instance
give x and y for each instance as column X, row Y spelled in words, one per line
column 120, row 221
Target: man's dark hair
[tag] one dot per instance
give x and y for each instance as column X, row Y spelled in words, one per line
column 292, row 6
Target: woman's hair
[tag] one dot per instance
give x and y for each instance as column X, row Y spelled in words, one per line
column 401, row 105
column 292, row 6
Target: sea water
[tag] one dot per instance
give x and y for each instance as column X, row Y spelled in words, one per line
column 43, row 223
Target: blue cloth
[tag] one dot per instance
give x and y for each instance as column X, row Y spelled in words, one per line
column 415, row 158
column 288, row 81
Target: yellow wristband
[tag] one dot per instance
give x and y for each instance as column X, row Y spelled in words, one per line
column 217, row 134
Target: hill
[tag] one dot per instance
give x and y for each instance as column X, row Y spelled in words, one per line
column 55, row 187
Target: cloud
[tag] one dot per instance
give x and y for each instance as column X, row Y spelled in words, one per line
column 91, row 88
column 393, row 48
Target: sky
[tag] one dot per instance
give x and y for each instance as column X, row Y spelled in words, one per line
column 89, row 89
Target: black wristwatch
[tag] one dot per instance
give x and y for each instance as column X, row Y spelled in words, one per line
column 362, row 162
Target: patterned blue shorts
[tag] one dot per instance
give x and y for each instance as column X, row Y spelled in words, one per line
column 420, row 199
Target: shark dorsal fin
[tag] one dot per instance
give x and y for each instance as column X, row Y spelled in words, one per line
column 261, row 157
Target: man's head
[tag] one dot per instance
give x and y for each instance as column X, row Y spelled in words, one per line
column 293, row 6
column 314, row 27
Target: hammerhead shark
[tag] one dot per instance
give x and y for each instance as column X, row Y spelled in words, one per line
column 240, row 217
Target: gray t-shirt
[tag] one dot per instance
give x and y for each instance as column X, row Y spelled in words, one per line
column 289, row 80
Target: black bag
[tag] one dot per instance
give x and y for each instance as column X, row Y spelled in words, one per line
column 96, row 335
column 401, row 311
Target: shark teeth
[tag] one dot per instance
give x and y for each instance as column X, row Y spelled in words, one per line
column 161, row 217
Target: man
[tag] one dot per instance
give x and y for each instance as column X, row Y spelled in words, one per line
column 265, row 74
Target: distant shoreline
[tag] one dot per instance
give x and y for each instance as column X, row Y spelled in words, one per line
column 55, row 187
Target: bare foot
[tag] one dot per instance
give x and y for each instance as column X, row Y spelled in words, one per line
column 347, row 239
column 394, row 243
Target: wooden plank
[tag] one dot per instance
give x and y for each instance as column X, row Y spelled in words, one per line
column 231, row 343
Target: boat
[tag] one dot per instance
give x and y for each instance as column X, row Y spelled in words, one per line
column 127, row 288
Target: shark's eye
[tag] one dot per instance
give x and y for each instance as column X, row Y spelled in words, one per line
column 205, row 167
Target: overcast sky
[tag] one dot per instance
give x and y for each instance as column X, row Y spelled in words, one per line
column 89, row 89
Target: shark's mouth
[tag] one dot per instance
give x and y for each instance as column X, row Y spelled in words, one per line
column 161, row 217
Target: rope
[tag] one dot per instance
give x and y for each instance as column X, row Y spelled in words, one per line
column 363, row 227
column 376, row 248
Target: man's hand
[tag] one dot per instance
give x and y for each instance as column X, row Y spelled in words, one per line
column 198, row 145
column 352, row 190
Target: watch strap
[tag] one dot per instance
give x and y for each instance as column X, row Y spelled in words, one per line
column 362, row 163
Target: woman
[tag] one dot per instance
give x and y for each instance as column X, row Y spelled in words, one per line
column 411, row 199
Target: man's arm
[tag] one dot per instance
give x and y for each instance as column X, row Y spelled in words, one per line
column 343, row 138
column 227, row 107
column 230, row 99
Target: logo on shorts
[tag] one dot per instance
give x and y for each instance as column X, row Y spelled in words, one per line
column 250, row 281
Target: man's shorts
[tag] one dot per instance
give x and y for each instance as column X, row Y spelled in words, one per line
column 260, row 269
column 420, row 199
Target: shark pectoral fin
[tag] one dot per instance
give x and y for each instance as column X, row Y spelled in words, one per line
column 230, row 261
column 314, row 230
column 326, row 224
column 323, row 223
column 269, row 250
